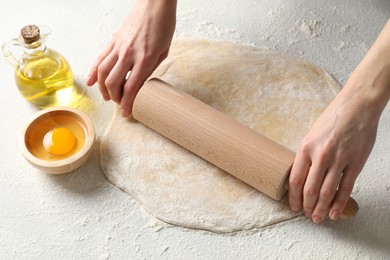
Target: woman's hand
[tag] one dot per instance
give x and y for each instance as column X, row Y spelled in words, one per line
column 138, row 47
column 334, row 151
column 331, row 157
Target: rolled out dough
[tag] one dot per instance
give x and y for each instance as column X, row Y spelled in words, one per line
column 278, row 95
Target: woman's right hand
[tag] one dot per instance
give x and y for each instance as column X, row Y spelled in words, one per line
column 138, row 47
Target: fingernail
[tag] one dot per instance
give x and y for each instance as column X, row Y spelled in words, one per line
column 295, row 208
column 124, row 113
column 317, row 219
column 334, row 214
column 89, row 80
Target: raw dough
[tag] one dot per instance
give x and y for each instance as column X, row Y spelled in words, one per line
column 278, row 95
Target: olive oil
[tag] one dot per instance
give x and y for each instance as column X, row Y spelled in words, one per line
column 45, row 79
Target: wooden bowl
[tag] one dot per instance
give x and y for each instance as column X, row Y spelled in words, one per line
column 68, row 163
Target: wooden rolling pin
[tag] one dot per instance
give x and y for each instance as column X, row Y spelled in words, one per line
column 217, row 138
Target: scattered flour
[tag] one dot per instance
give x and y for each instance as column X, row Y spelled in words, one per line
column 311, row 28
column 345, row 29
column 344, row 45
column 210, row 28
column 277, row 13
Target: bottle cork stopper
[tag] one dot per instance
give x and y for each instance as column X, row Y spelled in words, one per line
column 30, row 33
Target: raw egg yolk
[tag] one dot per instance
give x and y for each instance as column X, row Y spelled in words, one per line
column 59, row 141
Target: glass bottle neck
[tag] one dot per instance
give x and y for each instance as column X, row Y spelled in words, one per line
column 36, row 50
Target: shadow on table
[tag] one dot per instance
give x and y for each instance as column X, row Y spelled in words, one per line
column 88, row 180
column 370, row 228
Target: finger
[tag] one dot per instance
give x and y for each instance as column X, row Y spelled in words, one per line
column 135, row 81
column 103, row 71
column 298, row 175
column 116, row 80
column 312, row 187
column 327, row 194
column 93, row 73
column 343, row 192
column 92, row 77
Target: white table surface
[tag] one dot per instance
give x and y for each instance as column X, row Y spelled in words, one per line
column 82, row 216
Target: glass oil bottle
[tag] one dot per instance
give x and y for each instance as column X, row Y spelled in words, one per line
column 43, row 76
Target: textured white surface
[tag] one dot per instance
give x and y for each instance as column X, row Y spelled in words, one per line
column 81, row 215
